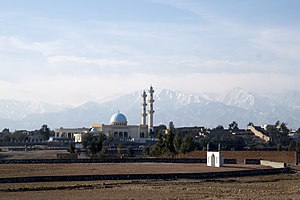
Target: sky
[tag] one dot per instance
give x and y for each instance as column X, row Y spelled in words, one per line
column 73, row 51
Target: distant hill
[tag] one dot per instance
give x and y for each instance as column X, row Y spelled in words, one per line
column 183, row 109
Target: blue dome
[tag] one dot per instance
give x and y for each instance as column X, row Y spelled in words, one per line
column 118, row 119
column 94, row 130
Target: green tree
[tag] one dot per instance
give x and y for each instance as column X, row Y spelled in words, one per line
column 292, row 146
column 298, row 147
column 155, row 150
column 6, row 137
column 20, row 136
column 169, row 145
column 71, row 148
column 44, row 132
column 187, row 145
column 130, row 151
column 233, row 126
column 279, row 147
column 284, row 128
column 161, row 143
column 277, row 123
column 93, row 147
column 146, row 151
column 177, row 142
column 120, row 150
column 219, row 127
column 99, row 143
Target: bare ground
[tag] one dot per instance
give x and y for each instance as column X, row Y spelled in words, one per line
column 284, row 186
column 21, row 170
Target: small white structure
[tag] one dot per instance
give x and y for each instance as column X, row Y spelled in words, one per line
column 215, row 158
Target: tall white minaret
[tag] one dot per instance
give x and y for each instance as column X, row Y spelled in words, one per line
column 144, row 105
column 150, row 111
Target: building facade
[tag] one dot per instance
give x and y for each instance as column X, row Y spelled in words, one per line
column 118, row 125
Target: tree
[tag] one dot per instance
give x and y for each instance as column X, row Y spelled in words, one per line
column 155, row 150
column 219, row 127
column 279, row 147
column 292, row 146
column 233, row 126
column 20, row 136
column 99, row 143
column 5, row 130
column 71, row 148
column 298, row 147
column 284, row 128
column 93, row 147
column 146, row 151
column 169, row 145
column 177, row 142
column 161, row 143
column 130, row 151
column 187, row 145
column 250, row 124
column 120, row 150
column 44, row 132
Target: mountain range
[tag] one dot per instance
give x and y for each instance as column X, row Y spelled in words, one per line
column 183, row 109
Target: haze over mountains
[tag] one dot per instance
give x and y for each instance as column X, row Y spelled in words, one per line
column 207, row 110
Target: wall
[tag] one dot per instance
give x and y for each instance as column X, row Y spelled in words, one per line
column 272, row 164
column 289, row 157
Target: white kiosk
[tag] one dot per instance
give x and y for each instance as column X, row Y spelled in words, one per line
column 215, row 158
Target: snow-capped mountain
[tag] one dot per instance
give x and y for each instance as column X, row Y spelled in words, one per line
column 13, row 109
column 183, row 109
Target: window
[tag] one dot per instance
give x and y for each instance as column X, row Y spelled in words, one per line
column 120, row 134
column 125, row 135
column 142, row 135
column 115, row 134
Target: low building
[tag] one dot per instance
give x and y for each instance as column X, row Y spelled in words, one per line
column 69, row 133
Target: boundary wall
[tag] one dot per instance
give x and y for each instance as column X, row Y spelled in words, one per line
column 146, row 176
column 289, row 157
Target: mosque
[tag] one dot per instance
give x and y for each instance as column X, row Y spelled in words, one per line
column 118, row 125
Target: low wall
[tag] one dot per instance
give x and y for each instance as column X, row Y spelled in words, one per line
column 272, row 164
column 289, row 157
column 67, row 156
column 146, row 176
column 252, row 162
column 105, row 160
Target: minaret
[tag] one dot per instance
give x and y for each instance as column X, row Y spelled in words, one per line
column 144, row 105
column 150, row 111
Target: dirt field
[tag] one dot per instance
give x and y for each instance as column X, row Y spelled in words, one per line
column 37, row 154
column 285, row 186
column 17, row 170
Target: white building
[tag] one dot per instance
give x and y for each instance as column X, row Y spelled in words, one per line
column 215, row 159
column 118, row 128
column 69, row 133
column 118, row 125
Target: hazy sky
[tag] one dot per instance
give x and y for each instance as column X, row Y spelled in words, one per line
column 72, row 51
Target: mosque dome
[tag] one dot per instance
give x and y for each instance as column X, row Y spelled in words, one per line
column 118, row 119
column 94, row 130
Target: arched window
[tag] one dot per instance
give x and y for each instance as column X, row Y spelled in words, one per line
column 120, row 134
column 142, row 135
column 125, row 135
column 115, row 134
